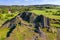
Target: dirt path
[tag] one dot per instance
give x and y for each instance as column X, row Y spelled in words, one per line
column 43, row 36
column 58, row 35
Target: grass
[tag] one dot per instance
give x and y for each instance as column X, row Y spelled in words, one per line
column 50, row 35
column 47, row 14
column 6, row 16
column 55, row 25
column 21, row 33
column 16, row 35
column 3, row 33
column 3, row 18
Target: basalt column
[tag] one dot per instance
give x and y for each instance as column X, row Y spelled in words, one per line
column 45, row 22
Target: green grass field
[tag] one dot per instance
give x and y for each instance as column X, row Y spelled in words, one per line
column 47, row 14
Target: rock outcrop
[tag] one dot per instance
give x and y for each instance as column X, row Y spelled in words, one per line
column 36, row 20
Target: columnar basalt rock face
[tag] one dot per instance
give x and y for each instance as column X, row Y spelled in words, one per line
column 27, row 16
column 45, row 22
column 36, row 19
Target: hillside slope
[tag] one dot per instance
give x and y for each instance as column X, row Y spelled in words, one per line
column 28, row 26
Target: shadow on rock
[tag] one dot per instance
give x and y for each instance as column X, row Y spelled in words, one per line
column 11, row 29
column 26, row 16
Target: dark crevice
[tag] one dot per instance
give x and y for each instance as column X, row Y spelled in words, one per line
column 11, row 29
